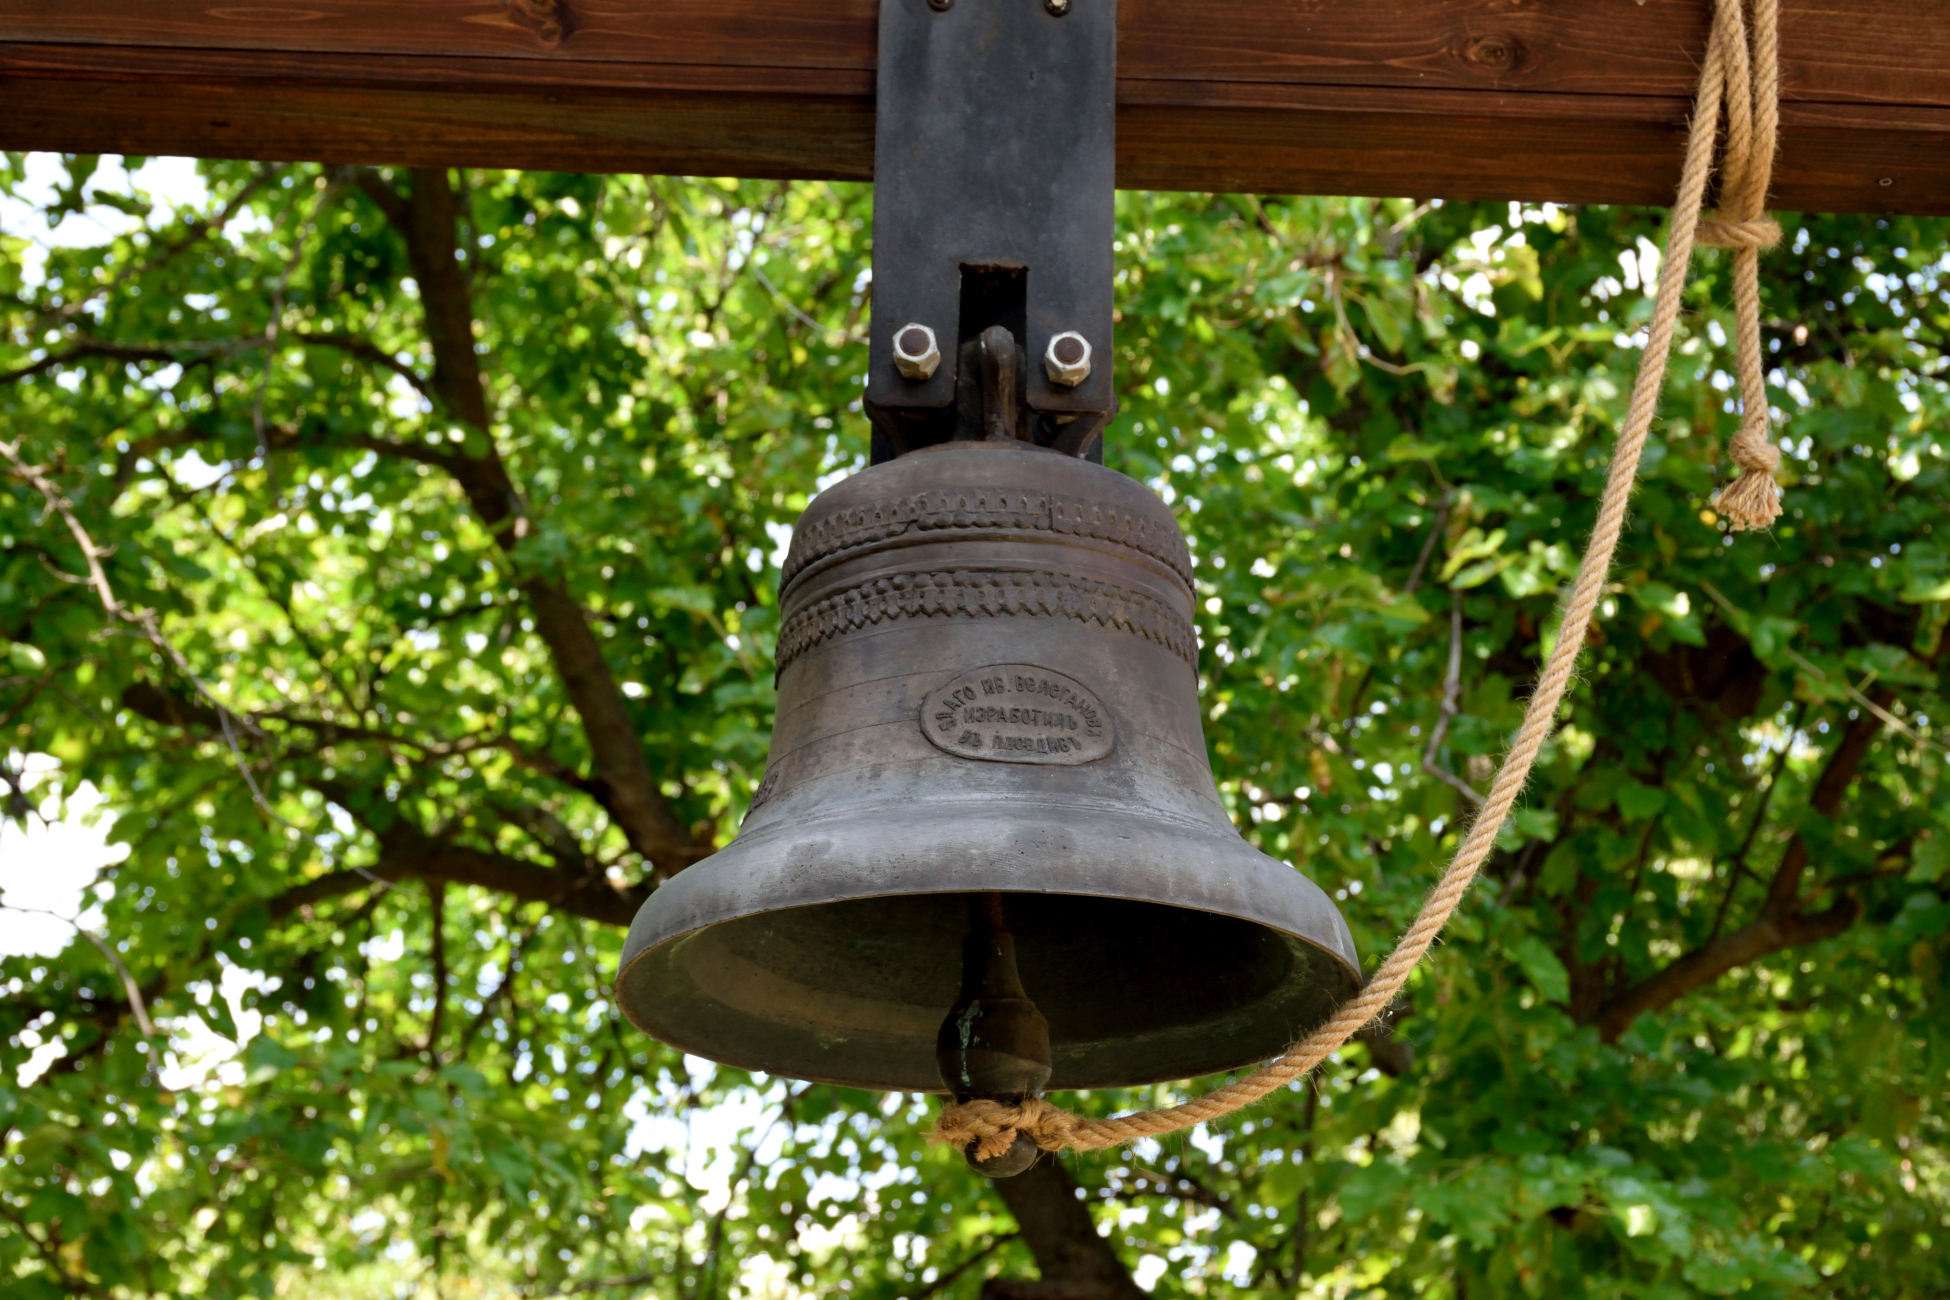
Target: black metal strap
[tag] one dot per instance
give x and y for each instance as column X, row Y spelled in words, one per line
column 994, row 170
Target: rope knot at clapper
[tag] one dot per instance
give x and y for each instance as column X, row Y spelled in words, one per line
column 1746, row 78
column 991, row 1126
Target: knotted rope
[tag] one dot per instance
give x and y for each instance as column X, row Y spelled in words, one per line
column 1753, row 87
column 991, row 1127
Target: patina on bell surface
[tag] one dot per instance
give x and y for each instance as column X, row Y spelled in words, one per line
column 987, row 689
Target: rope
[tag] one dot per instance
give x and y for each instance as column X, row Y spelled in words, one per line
column 991, row 1127
column 1753, row 87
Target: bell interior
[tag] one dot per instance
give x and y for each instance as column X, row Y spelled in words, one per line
column 855, row 991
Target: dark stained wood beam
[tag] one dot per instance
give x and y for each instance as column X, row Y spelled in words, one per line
column 1565, row 100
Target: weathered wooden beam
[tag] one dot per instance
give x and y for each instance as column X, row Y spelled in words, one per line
column 1579, row 101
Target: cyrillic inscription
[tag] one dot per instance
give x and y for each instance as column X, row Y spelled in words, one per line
column 1018, row 713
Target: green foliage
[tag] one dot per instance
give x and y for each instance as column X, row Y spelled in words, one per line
column 1372, row 418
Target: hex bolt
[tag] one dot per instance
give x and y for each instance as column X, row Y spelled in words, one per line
column 1057, row 8
column 941, row 6
column 916, row 354
column 1068, row 359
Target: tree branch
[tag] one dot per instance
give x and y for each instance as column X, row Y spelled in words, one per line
column 143, row 620
column 1428, row 546
column 437, row 920
column 601, row 1284
column 1451, row 706
column 137, row 1005
column 84, row 349
column 1781, row 923
column 1826, row 799
column 622, row 781
column 1738, row 868
column 1704, row 965
column 366, row 350
column 954, row 1274
column 407, row 853
column 377, row 188
column 152, row 702
column 1179, row 1187
column 504, row 989
column 707, row 1275
column 577, row 885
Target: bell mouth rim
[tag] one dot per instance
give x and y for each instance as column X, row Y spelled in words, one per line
column 777, row 823
column 1184, row 865
column 709, row 1053
column 631, row 957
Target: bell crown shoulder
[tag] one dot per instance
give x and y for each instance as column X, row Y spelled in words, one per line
column 981, row 487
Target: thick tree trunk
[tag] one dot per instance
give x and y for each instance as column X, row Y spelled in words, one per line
column 1076, row 1263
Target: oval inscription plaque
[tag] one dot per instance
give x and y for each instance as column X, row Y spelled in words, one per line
column 1018, row 713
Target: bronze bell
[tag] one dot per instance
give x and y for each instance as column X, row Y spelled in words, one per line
column 987, row 854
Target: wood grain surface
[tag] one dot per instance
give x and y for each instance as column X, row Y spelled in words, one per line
column 1568, row 100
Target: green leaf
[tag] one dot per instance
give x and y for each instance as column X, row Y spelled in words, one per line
column 695, row 600
column 1770, row 636
column 1368, row 1190
column 265, row 1058
column 217, row 1014
column 1931, row 859
column 1474, row 545
column 1542, row 968
column 468, row 1079
column 1637, row 802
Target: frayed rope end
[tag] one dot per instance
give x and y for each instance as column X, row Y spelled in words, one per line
column 1750, row 502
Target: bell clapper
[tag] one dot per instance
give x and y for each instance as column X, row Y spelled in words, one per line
column 994, row 1043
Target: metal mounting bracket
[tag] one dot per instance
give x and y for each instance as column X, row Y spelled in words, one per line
column 994, row 189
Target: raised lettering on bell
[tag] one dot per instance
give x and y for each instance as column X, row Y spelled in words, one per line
column 1017, row 713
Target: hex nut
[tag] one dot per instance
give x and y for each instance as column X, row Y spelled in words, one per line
column 916, row 354
column 1068, row 359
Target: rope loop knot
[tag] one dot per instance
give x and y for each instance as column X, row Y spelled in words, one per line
column 1758, row 233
